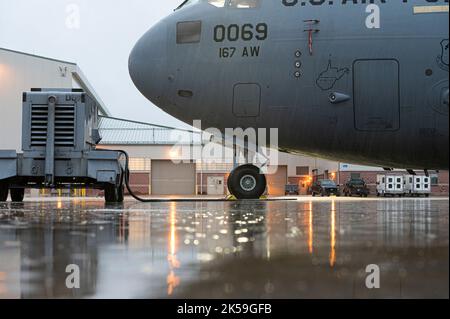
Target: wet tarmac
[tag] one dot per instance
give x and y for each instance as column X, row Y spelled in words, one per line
column 309, row 248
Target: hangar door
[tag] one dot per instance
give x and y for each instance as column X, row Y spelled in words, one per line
column 276, row 183
column 376, row 95
column 173, row 179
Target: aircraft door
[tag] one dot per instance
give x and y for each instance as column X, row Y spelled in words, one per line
column 376, row 95
column 246, row 100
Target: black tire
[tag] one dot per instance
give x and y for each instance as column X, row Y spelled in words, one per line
column 257, row 182
column 3, row 192
column 111, row 194
column 17, row 194
column 120, row 194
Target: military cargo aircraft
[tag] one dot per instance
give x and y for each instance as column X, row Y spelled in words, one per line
column 359, row 81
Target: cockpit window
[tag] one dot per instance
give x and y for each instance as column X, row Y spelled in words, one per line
column 217, row 3
column 239, row 4
column 189, row 32
column 244, row 4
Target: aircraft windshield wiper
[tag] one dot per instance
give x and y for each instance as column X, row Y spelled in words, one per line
column 181, row 5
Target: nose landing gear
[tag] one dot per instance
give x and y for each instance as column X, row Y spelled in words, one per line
column 247, row 182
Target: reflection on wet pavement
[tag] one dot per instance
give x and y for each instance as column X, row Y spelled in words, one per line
column 310, row 248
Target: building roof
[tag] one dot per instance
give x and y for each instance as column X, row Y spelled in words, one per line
column 86, row 86
column 116, row 131
column 77, row 75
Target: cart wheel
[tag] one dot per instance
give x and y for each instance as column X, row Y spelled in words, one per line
column 3, row 192
column 17, row 194
column 111, row 193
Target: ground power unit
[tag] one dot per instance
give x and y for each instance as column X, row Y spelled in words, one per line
column 59, row 138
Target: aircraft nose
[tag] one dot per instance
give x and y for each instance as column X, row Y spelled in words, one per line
column 148, row 61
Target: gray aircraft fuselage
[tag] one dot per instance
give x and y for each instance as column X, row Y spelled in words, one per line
column 354, row 81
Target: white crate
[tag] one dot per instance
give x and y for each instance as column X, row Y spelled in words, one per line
column 390, row 185
column 417, row 185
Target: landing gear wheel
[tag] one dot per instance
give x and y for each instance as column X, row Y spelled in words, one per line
column 247, row 182
column 111, row 193
column 3, row 192
column 17, row 194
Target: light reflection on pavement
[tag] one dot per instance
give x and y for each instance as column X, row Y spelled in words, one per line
column 310, row 248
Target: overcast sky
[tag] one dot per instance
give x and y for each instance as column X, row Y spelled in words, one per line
column 100, row 43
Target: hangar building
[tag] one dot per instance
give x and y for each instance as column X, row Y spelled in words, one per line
column 154, row 172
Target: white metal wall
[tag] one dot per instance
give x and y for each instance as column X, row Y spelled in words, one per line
column 19, row 73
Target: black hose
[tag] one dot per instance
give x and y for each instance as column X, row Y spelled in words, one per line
column 126, row 177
